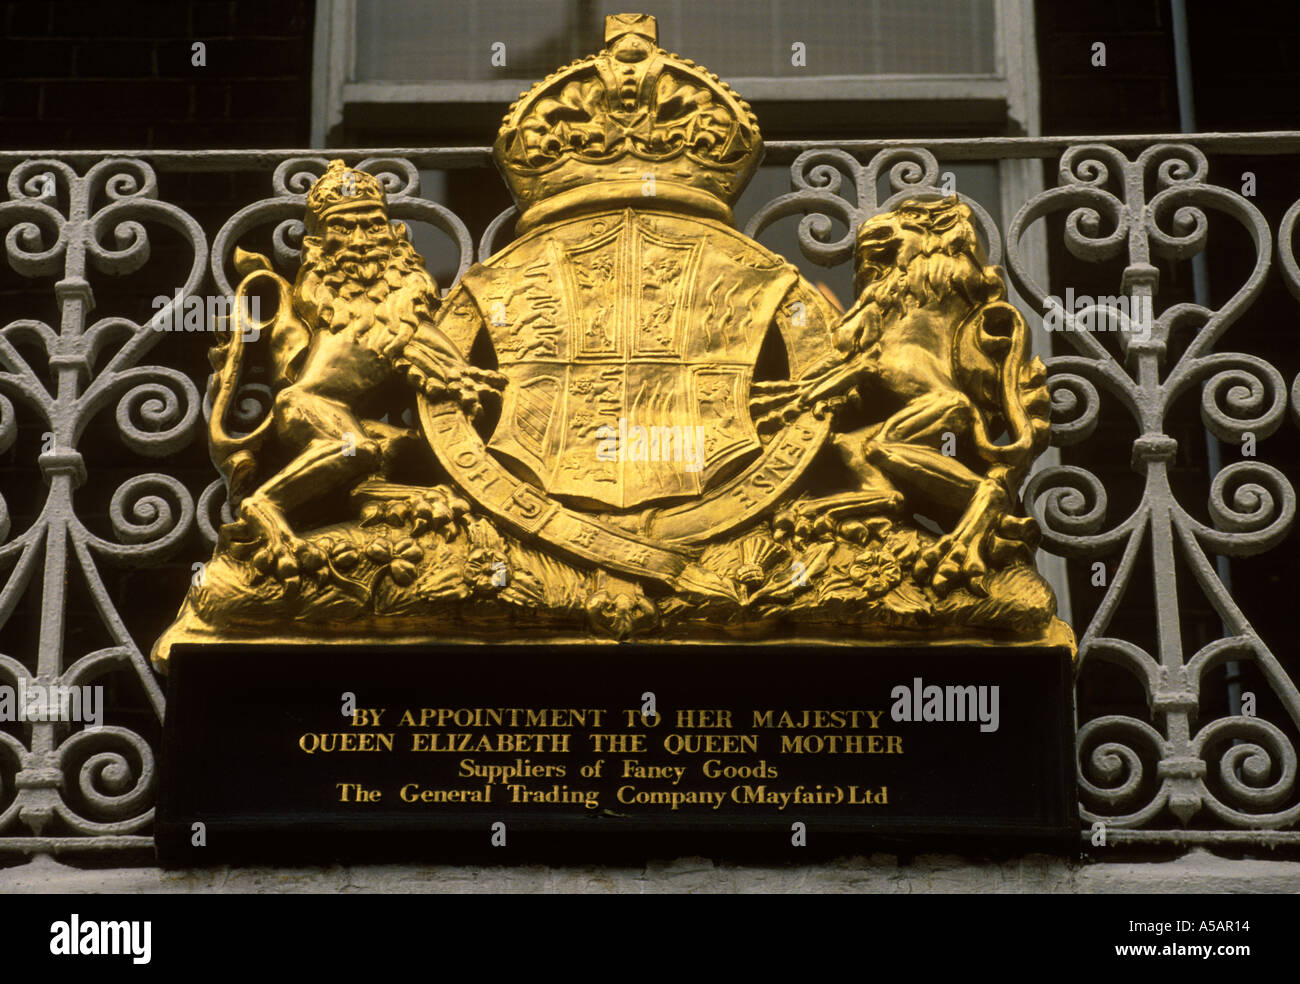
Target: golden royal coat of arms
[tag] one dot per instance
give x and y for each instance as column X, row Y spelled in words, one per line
column 664, row 431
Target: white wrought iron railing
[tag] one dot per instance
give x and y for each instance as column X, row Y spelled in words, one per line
column 1179, row 773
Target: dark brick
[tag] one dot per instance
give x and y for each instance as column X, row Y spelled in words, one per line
column 282, row 18
column 150, row 90
column 1149, row 99
column 97, row 135
column 1133, row 93
column 258, row 100
column 117, row 20
column 1083, row 98
column 122, row 100
column 115, row 60
column 1276, row 118
column 20, row 99
column 175, row 60
column 1143, row 54
column 212, row 20
column 1069, row 53
column 258, row 58
column 184, row 136
column 1140, row 54
column 1101, row 15
column 213, row 186
column 26, row 134
column 38, row 60
column 280, row 133
column 248, row 185
column 1251, row 54
column 28, row 20
column 211, row 101
column 236, row 134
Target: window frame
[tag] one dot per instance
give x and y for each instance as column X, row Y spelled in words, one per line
column 1004, row 103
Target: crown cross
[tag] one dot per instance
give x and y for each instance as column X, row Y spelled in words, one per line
column 642, row 25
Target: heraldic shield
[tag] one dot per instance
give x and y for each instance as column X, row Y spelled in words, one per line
column 629, row 341
column 632, row 420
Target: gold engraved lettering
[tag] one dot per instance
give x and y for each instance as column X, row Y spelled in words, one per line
column 345, row 741
column 819, row 718
column 412, row 793
column 355, row 792
column 616, row 744
column 679, row 744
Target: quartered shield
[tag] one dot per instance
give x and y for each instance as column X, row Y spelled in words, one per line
column 629, row 341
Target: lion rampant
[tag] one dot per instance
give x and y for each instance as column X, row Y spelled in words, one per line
column 930, row 372
column 343, row 352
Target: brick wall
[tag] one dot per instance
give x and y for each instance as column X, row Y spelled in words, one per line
column 1133, row 93
column 112, row 75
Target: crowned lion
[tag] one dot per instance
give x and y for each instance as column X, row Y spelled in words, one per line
column 339, row 356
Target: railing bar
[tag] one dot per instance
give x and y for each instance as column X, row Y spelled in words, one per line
column 73, row 844
column 949, row 148
column 1260, row 837
column 1001, row 148
column 257, row 160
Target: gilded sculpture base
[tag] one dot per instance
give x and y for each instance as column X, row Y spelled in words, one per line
column 404, row 578
column 431, row 636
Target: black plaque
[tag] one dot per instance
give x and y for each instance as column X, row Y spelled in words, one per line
column 551, row 742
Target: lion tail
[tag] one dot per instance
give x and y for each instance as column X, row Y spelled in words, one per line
column 990, row 355
column 234, row 454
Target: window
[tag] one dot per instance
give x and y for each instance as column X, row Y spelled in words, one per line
column 402, row 72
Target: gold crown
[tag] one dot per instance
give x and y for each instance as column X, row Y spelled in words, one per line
column 600, row 129
column 339, row 189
